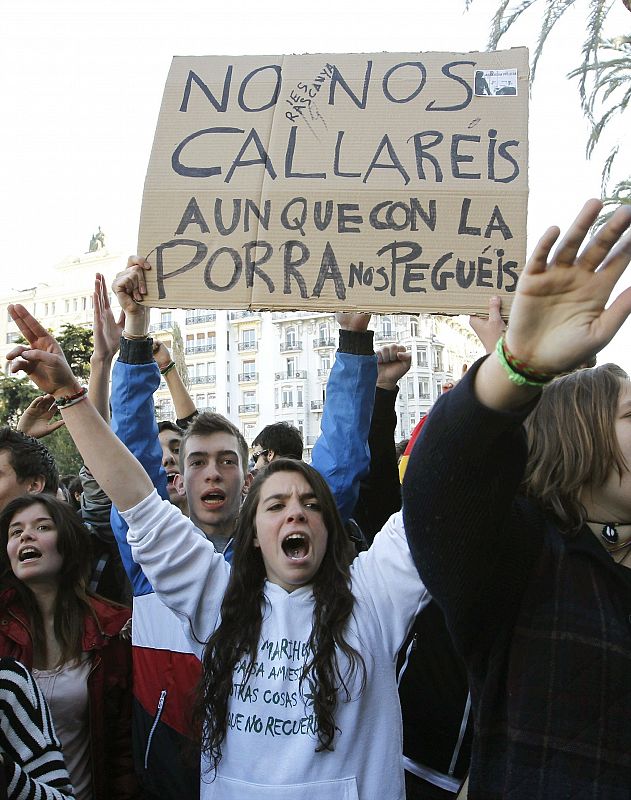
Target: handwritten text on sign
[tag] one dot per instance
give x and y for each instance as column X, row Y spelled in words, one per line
column 382, row 182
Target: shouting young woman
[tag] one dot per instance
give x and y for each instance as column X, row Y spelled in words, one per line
column 298, row 695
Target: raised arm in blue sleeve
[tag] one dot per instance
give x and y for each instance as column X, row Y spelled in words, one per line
column 135, row 378
column 341, row 453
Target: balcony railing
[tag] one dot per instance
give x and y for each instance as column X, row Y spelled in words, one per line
column 249, row 408
column 211, row 409
column 194, row 319
column 386, row 336
column 316, row 405
column 287, row 347
column 323, row 341
column 248, row 377
column 248, row 346
column 290, row 316
column 209, row 347
column 161, row 326
column 324, row 373
column 298, row 375
column 196, row 380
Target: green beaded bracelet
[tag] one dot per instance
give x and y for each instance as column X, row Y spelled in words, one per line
column 513, row 375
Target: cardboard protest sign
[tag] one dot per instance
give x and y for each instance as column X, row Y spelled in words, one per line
column 380, row 182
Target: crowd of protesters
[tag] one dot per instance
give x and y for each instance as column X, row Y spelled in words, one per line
column 195, row 616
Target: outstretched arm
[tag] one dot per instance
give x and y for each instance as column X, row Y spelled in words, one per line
column 96, row 506
column 473, row 544
column 115, row 469
column 340, row 453
column 380, row 492
column 135, row 378
column 107, row 332
column 182, row 401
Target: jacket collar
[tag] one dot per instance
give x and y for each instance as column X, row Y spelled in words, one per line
column 98, row 628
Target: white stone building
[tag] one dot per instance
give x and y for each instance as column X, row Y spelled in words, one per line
column 258, row 367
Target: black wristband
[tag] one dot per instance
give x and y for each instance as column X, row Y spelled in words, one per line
column 358, row 343
column 136, row 351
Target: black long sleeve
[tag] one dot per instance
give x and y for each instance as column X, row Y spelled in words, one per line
column 472, row 544
column 380, row 493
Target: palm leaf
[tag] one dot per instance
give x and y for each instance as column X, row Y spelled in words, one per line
column 604, row 74
column 591, row 47
column 554, row 12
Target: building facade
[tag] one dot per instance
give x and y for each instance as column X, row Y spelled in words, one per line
column 258, row 367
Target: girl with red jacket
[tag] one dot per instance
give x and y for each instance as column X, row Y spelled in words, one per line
column 71, row 640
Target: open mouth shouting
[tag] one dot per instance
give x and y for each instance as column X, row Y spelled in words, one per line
column 29, row 553
column 296, row 546
column 213, row 499
column 171, row 487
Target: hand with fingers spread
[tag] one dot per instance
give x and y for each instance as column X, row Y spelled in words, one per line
column 37, row 420
column 130, row 288
column 393, row 361
column 490, row 329
column 107, row 330
column 114, row 468
column 558, row 319
column 42, row 359
column 107, row 333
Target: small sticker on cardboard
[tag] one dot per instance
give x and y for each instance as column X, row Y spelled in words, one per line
column 496, row 82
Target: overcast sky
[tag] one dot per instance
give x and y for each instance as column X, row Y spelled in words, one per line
column 81, row 84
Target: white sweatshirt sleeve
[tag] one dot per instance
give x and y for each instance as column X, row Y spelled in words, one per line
column 386, row 582
column 185, row 570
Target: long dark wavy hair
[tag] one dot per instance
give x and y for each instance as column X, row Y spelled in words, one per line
column 242, row 615
column 72, row 601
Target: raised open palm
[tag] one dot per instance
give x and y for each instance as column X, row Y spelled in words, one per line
column 558, row 319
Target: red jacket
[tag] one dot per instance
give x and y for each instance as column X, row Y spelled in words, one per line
column 109, row 689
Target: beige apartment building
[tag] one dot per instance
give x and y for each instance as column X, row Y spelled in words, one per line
column 257, row 367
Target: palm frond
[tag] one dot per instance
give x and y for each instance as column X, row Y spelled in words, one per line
column 501, row 23
column 604, row 75
column 591, row 46
column 620, row 196
column 606, row 171
column 597, row 129
column 554, row 12
column 608, row 79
